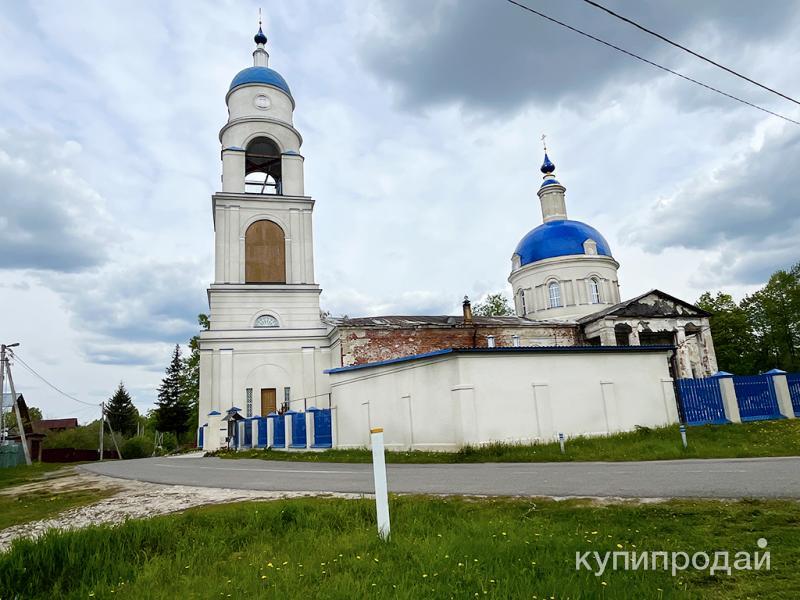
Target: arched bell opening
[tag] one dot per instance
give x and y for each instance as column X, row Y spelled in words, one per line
column 262, row 167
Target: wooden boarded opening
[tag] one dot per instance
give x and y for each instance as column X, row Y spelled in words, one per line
column 265, row 253
column 268, row 401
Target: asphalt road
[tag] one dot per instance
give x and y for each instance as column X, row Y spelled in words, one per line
column 727, row 478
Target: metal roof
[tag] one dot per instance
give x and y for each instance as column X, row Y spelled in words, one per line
column 410, row 321
column 510, row 350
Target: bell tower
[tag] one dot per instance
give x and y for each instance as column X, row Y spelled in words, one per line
column 265, row 332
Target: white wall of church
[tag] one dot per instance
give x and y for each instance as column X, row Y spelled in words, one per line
column 457, row 399
column 573, row 275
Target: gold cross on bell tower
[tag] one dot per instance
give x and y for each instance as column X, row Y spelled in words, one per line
column 544, row 142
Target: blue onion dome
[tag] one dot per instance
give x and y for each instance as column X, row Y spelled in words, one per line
column 547, row 166
column 260, row 75
column 559, row 238
column 260, row 37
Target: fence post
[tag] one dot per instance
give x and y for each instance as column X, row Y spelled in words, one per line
column 728, row 392
column 287, row 428
column 270, row 432
column 310, row 433
column 781, row 387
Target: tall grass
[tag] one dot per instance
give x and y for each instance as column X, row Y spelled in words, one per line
column 439, row 548
column 756, row 439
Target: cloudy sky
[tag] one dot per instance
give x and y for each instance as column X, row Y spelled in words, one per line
column 422, row 122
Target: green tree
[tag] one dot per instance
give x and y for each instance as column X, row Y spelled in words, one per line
column 121, row 413
column 734, row 341
column 11, row 417
column 190, row 374
column 172, row 412
column 774, row 313
column 495, row 305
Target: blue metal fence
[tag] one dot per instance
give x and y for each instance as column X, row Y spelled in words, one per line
column 323, row 434
column 298, row 429
column 278, row 431
column 756, row 397
column 200, row 431
column 793, row 379
column 701, row 401
column 261, row 440
column 248, row 433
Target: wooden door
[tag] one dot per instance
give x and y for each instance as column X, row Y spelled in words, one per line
column 268, row 401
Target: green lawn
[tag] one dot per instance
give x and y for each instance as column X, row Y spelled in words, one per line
column 440, row 548
column 760, row 438
column 43, row 501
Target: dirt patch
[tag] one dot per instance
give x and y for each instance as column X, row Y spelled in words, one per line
column 132, row 500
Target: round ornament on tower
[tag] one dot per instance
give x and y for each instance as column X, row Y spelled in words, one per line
column 262, row 102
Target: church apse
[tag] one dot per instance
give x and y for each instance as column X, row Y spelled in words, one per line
column 265, row 253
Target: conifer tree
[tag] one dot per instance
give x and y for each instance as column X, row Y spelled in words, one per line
column 121, row 413
column 191, row 374
column 173, row 409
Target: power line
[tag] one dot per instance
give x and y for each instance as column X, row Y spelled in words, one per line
column 685, row 49
column 95, row 406
column 649, row 62
column 63, row 393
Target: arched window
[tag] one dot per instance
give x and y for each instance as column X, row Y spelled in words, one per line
column 262, row 167
column 265, row 253
column 522, row 302
column 594, row 291
column 554, row 292
column 266, row 321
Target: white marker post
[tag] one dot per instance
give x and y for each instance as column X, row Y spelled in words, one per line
column 561, row 442
column 381, row 490
column 683, row 435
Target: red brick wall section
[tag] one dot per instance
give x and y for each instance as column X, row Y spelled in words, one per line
column 370, row 344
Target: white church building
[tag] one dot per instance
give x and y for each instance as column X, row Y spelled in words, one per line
column 274, row 371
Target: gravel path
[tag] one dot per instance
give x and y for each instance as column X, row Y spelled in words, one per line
column 132, row 500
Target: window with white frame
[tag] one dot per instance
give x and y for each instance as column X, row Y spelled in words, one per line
column 249, row 404
column 554, row 293
column 266, row 321
column 594, row 291
column 522, row 303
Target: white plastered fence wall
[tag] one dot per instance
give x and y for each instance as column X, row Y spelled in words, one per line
column 458, row 398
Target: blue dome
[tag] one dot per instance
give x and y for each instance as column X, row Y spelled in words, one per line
column 262, row 75
column 559, row 238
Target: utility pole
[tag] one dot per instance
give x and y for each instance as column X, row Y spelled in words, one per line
column 102, row 426
column 20, row 424
column 2, row 395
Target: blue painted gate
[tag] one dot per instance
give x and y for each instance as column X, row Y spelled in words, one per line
column 200, row 431
column 323, row 435
column 793, row 379
column 278, row 431
column 701, row 401
column 756, row 396
column 261, row 442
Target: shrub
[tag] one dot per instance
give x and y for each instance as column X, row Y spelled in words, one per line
column 169, row 442
column 137, row 447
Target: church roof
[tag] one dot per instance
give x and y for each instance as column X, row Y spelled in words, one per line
column 401, row 322
column 262, row 76
column 559, row 238
column 660, row 305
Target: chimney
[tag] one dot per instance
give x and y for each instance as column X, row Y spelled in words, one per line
column 467, row 311
column 515, row 341
column 490, row 341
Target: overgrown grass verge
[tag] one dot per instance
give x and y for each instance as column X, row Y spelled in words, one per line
column 756, row 439
column 42, row 504
column 440, row 548
column 20, row 474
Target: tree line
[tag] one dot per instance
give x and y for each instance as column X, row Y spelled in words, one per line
column 762, row 331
